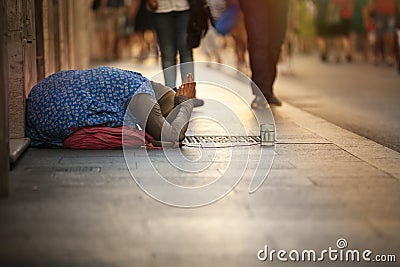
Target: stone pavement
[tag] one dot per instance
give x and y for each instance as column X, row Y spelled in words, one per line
column 82, row 208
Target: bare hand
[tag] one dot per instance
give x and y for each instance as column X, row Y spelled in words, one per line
column 188, row 88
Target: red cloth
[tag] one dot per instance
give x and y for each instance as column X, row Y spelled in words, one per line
column 106, row 138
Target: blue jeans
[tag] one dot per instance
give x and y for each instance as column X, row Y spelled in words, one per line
column 171, row 32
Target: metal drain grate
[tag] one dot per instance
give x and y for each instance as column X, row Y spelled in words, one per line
column 74, row 169
column 78, row 169
column 244, row 140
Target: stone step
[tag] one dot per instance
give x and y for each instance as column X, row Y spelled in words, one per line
column 17, row 147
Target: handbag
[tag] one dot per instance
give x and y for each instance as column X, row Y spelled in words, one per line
column 200, row 16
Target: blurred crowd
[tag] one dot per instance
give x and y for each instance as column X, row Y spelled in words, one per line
column 123, row 28
column 340, row 30
column 346, row 30
column 126, row 28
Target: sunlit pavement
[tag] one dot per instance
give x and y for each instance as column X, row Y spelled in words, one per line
column 83, row 208
column 357, row 96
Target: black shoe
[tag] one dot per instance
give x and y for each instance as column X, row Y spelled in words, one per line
column 274, row 101
column 198, row 102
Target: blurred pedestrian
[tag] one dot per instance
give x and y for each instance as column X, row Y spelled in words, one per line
column 230, row 22
column 307, row 11
column 265, row 22
column 383, row 13
column 144, row 32
column 239, row 36
column 290, row 43
column 359, row 25
column 171, row 18
column 323, row 27
column 397, row 40
column 333, row 23
column 125, row 34
column 109, row 16
column 212, row 41
column 341, row 31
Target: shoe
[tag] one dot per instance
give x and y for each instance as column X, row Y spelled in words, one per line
column 274, row 101
column 259, row 103
column 198, row 102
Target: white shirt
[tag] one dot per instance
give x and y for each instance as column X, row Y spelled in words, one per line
column 165, row 6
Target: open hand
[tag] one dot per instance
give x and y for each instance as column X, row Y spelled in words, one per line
column 188, row 88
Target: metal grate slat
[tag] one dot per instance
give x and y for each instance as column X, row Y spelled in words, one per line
column 222, row 139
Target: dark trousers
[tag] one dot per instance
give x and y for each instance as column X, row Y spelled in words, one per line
column 171, row 31
column 266, row 28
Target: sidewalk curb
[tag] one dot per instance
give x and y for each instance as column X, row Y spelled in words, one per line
column 379, row 156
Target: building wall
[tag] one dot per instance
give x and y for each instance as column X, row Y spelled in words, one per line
column 81, row 33
column 4, row 143
column 17, row 45
column 43, row 36
column 37, row 38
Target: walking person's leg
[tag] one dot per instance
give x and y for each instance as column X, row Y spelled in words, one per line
column 266, row 26
column 278, row 24
column 164, row 25
column 257, row 41
column 185, row 52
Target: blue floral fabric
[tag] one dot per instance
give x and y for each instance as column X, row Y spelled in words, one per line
column 68, row 100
